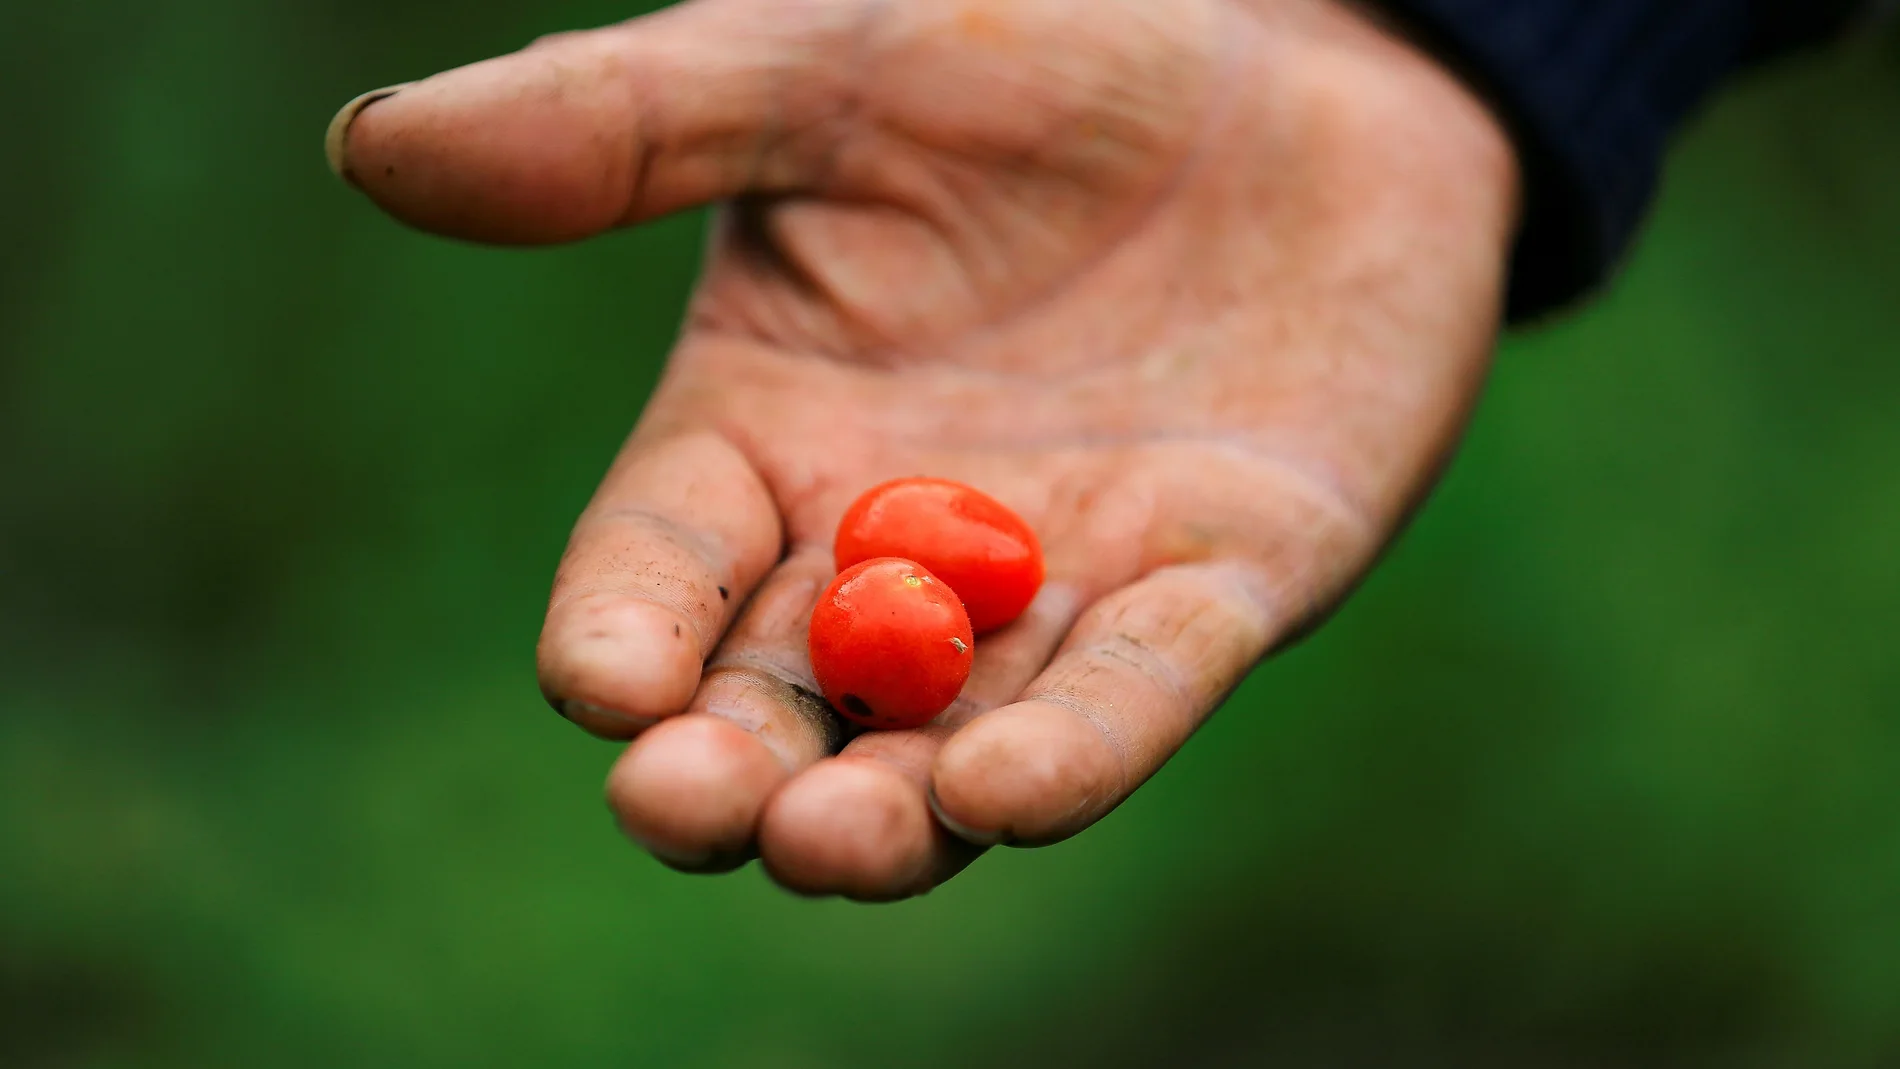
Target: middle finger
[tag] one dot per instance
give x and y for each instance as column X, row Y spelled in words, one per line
column 860, row 824
column 691, row 788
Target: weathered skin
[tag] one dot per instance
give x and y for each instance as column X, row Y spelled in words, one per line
column 1202, row 288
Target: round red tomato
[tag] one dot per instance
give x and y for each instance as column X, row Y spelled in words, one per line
column 967, row 538
column 890, row 644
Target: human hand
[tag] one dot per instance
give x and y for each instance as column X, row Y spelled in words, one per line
column 1204, row 289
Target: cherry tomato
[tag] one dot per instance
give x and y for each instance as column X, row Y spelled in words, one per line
column 970, row 540
column 890, row 643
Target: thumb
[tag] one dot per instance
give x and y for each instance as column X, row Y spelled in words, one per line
column 587, row 131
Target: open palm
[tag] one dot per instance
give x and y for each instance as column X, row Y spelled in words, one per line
column 1202, row 288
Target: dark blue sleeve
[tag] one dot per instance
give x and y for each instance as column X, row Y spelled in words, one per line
column 1592, row 91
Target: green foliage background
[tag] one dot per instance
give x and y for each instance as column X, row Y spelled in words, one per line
column 1599, row 770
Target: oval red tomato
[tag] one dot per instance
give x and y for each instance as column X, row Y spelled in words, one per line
column 890, row 643
column 973, row 542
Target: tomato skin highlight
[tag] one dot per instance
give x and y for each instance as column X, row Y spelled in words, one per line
column 890, row 644
column 973, row 542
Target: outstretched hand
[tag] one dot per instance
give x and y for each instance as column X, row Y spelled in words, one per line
column 1203, row 289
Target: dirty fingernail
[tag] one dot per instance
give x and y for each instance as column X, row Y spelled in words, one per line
column 685, row 860
column 336, row 140
column 968, row 835
column 705, row 860
column 607, row 723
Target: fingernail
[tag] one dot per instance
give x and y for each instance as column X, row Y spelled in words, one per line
column 968, row 835
column 687, row 860
column 336, row 139
column 602, row 720
column 705, row 860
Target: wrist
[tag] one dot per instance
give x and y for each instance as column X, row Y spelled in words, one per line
column 1412, row 117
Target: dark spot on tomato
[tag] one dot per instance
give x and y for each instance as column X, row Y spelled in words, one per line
column 856, row 707
column 676, row 630
column 389, row 171
column 724, row 594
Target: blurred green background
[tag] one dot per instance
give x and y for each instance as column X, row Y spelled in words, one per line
column 1602, row 768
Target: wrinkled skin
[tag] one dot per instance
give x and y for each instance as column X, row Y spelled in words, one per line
column 1202, row 288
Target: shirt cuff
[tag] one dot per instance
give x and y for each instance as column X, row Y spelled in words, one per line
column 1591, row 91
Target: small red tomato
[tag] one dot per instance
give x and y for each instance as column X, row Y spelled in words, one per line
column 890, row 644
column 967, row 538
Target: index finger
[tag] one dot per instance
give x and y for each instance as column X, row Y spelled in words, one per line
column 679, row 533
